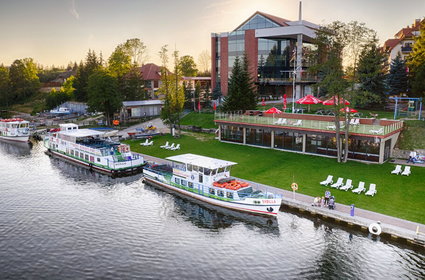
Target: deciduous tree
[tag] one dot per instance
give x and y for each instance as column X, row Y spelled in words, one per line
column 137, row 51
column 416, row 63
column 4, row 86
column 23, row 79
column 188, row 66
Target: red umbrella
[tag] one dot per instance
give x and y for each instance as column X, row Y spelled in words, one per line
column 335, row 100
column 263, row 103
column 348, row 110
column 273, row 110
column 309, row 99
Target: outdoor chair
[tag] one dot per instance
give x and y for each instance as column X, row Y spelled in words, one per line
column 284, row 121
column 278, row 121
column 377, row 131
column 298, row 123
column 397, row 170
column 177, row 147
column 171, row 147
column 338, row 183
column 327, row 181
column 372, row 190
column 332, row 127
column 166, row 146
column 356, row 121
column 348, row 185
column 360, row 188
column 147, row 143
column 406, row 171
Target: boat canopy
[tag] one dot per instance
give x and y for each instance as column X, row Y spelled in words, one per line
column 81, row 133
column 201, row 161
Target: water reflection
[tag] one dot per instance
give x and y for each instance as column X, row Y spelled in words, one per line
column 18, row 149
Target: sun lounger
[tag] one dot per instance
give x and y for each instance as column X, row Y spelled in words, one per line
column 278, row 121
column 377, row 131
column 171, row 147
column 372, row 190
column 406, row 171
column 327, row 181
column 397, row 170
column 298, row 123
column 338, row 183
column 177, row 147
column 147, row 143
column 348, row 185
column 360, row 188
column 166, row 146
column 332, row 127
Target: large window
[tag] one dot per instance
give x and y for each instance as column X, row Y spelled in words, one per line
column 288, row 140
column 258, row 22
column 274, row 56
column 236, row 44
column 232, row 133
column 260, row 137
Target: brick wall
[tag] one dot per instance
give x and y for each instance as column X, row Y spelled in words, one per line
column 251, row 49
column 224, row 61
column 213, row 64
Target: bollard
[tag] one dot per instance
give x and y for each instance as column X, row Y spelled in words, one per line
column 352, row 210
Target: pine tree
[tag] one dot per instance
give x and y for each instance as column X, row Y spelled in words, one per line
column 397, row 78
column 416, row 63
column 84, row 71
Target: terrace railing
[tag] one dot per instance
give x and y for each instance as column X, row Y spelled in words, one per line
column 308, row 124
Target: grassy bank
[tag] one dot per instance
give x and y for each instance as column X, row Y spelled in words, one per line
column 397, row 196
column 205, row 120
column 412, row 136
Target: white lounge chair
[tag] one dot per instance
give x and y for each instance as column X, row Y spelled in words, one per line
column 348, row 185
column 171, row 147
column 397, row 170
column 147, row 143
column 332, row 127
column 372, row 190
column 278, row 121
column 284, row 121
column 406, row 171
column 338, row 183
column 166, row 146
column 356, row 122
column 327, row 181
column 360, row 188
column 298, row 123
column 377, row 131
column 177, row 147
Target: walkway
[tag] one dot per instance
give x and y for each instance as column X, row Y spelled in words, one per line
column 396, row 227
column 161, row 127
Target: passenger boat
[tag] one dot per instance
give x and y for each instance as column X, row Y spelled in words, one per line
column 14, row 130
column 208, row 179
column 91, row 149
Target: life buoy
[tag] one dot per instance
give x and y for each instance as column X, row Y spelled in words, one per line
column 375, row 228
column 294, row 186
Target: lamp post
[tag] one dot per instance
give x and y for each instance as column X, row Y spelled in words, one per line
column 294, row 76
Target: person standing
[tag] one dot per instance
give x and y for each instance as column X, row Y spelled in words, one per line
column 327, row 196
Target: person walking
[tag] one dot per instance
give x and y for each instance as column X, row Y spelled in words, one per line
column 327, row 196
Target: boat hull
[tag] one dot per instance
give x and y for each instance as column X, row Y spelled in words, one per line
column 93, row 167
column 21, row 139
column 242, row 207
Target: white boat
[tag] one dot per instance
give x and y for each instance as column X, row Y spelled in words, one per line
column 91, row 149
column 61, row 111
column 14, row 130
column 208, row 179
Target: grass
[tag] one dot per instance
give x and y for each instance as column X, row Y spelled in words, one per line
column 413, row 135
column 33, row 105
column 205, row 120
column 398, row 196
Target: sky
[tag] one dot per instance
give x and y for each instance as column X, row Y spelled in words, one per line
column 55, row 32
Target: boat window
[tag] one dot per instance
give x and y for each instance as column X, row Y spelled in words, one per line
column 212, row 191
column 190, row 185
column 180, row 166
column 177, row 180
column 98, row 159
column 229, row 194
column 189, row 167
column 195, row 168
column 207, row 171
column 220, row 193
column 201, row 169
column 214, row 171
column 14, row 125
column 227, row 168
column 72, row 152
column 184, row 183
column 86, row 157
column 221, row 170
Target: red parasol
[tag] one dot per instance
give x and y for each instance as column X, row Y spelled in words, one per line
column 348, row 110
column 335, row 100
column 284, row 101
column 309, row 99
column 273, row 110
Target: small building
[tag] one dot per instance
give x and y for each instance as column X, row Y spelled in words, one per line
column 140, row 109
column 403, row 41
column 371, row 140
column 151, row 74
column 73, row 107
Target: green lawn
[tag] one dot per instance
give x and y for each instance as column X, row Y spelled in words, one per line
column 399, row 196
column 413, row 135
column 205, row 120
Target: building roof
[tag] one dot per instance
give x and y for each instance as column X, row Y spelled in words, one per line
column 391, row 43
column 142, row 103
column 278, row 20
column 196, row 78
column 202, row 161
column 150, row 71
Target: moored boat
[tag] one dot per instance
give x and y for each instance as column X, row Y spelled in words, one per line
column 208, row 179
column 14, row 130
column 91, row 149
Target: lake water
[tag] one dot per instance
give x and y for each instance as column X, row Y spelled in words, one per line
column 58, row 221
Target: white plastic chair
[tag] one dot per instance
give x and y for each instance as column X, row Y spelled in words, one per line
column 377, row 131
column 284, row 121
column 145, row 143
column 327, row 181
column 406, row 171
column 360, row 188
column 372, row 190
column 298, row 123
column 171, row 147
column 356, row 122
column 348, row 185
column 278, row 121
column 177, row 147
column 166, row 146
column 397, row 170
column 338, row 183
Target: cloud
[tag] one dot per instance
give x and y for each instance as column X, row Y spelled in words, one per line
column 73, row 10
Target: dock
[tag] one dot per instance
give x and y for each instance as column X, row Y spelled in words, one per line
column 392, row 227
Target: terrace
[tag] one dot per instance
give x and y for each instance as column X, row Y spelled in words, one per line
column 366, row 127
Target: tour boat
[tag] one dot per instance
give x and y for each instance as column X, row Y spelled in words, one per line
column 91, row 149
column 208, row 179
column 14, row 130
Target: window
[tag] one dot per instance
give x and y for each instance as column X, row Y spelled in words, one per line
column 229, row 194
column 220, row 193
column 190, row 185
column 86, row 157
column 98, row 159
column 189, row 167
column 177, row 180
column 184, row 183
column 212, row 191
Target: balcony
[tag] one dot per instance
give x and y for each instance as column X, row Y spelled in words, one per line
column 406, row 49
column 367, row 127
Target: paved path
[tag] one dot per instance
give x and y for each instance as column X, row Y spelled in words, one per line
column 390, row 225
column 161, row 127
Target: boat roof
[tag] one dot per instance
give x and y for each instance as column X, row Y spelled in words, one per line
column 18, row 120
column 84, row 132
column 202, row 161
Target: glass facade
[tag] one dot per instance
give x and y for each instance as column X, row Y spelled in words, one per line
column 232, row 133
column 274, row 58
column 288, row 140
column 258, row 136
column 257, row 22
column 236, row 44
column 217, row 61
